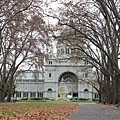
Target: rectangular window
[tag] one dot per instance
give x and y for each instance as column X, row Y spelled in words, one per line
column 40, row 95
column 49, row 74
column 50, row 62
column 96, row 96
column 18, row 94
column 25, row 94
column 32, row 94
column 67, row 50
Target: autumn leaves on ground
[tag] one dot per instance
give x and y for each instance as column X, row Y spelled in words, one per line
column 37, row 110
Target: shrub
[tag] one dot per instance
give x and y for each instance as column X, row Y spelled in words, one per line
column 24, row 99
column 46, row 98
column 36, row 98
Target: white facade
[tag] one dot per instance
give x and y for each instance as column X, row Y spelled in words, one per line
column 72, row 71
column 29, row 86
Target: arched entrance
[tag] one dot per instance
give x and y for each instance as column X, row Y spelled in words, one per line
column 49, row 93
column 71, row 83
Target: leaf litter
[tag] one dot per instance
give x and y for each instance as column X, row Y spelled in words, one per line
column 37, row 111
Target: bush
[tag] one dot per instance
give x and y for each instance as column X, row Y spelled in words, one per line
column 84, row 99
column 24, row 99
column 46, row 98
column 80, row 100
column 36, row 98
column 95, row 100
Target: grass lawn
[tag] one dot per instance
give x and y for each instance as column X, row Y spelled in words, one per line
column 37, row 110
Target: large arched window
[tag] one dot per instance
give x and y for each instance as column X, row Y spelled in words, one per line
column 68, row 80
column 85, row 90
column 49, row 90
column 68, row 76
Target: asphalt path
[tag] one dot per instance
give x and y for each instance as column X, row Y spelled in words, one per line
column 92, row 111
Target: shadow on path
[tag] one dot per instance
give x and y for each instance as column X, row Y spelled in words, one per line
column 92, row 111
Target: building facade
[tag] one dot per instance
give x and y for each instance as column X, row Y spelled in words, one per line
column 76, row 73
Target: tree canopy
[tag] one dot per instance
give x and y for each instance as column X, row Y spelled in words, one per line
column 98, row 21
column 24, row 36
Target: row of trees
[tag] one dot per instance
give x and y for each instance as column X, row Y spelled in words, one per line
column 23, row 39
column 98, row 22
column 24, row 35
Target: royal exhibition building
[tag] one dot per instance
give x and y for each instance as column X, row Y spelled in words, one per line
column 75, row 75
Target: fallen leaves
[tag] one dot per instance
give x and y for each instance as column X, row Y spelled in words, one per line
column 39, row 111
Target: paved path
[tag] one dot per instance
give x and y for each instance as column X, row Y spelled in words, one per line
column 91, row 111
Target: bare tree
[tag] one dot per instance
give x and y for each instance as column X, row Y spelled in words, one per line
column 98, row 22
column 23, row 39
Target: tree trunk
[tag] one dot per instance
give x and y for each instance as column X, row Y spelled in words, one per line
column 3, row 93
column 100, row 99
column 117, row 90
column 9, row 95
column 100, row 92
column 10, row 88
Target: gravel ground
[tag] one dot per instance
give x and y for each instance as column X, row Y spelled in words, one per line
column 91, row 111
